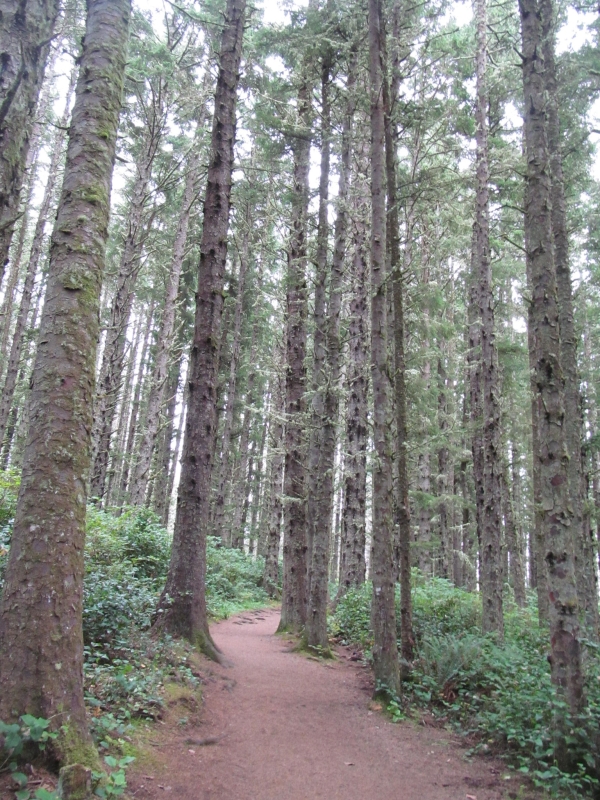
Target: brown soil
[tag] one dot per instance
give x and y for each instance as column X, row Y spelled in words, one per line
column 278, row 725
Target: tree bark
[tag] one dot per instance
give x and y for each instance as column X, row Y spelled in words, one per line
column 353, row 535
column 403, row 554
column 295, row 545
column 551, row 455
column 383, row 611
column 41, row 641
column 320, row 456
column 582, row 551
column 182, row 606
column 491, row 579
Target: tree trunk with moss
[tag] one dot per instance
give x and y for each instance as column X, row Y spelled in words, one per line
column 551, row 454
column 582, row 551
column 182, row 606
column 41, row 640
column 383, row 611
column 26, row 30
column 295, row 546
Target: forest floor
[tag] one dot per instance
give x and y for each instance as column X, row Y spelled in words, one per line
column 275, row 724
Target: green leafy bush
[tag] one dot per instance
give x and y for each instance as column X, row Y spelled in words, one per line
column 499, row 692
column 233, row 580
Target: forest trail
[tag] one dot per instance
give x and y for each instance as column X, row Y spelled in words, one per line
column 276, row 725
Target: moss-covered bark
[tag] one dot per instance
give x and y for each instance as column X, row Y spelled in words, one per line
column 383, row 612
column 41, row 641
column 550, row 455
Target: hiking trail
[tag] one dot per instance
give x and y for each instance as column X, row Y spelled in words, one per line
column 278, row 725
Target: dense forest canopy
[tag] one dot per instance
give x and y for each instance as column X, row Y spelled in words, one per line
column 319, row 281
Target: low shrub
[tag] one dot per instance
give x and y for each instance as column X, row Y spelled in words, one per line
column 499, row 693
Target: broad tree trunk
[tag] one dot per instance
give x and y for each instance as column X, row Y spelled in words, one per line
column 551, row 454
column 26, row 30
column 383, row 612
column 582, row 551
column 182, row 606
column 41, row 642
column 164, row 343
column 295, row 545
column 35, row 254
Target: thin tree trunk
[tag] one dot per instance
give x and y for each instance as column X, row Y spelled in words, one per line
column 226, row 464
column 551, row 455
column 276, row 443
column 491, row 579
column 26, row 30
column 160, row 497
column 134, row 416
column 182, row 606
column 115, row 346
column 164, row 343
column 41, row 643
column 12, row 370
column 353, row 533
column 383, row 611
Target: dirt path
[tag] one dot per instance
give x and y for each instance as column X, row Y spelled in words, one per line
column 293, row 728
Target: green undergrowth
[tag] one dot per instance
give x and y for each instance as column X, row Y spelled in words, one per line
column 130, row 676
column 497, row 695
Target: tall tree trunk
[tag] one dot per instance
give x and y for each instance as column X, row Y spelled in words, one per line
column 226, row 464
column 295, row 545
column 320, row 477
column 115, row 346
column 26, row 30
column 41, row 642
column 33, row 264
column 182, row 606
column 353, row 534
column 584, row 565
column 276, row 441
column 491, row 581
column 164, row 343
column 383, row 611
column 551, row 455
column 134, row 415
column 160, row 498
column 393, row 247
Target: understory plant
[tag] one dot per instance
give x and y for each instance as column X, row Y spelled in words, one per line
column 497, row 694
